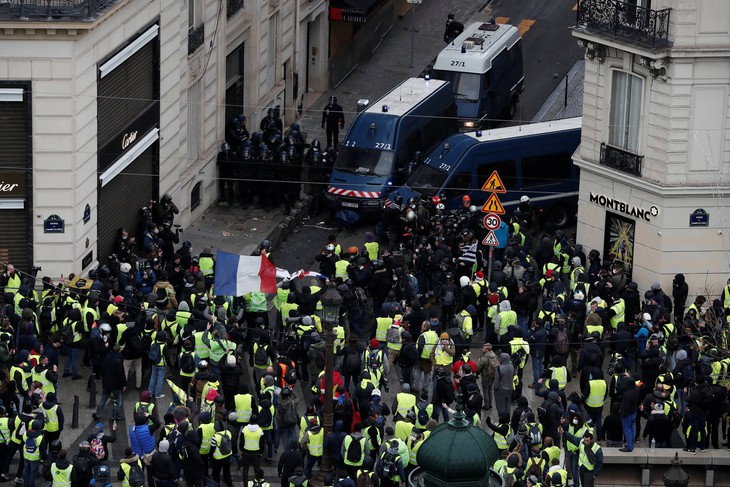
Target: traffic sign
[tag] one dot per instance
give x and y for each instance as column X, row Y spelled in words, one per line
column 494, row 184
column 493, row 205
column 491, row 240
column 492, row 221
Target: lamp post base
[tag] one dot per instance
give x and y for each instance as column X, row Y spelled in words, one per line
column 324, row 476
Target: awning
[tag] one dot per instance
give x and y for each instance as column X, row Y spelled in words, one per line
column 353, row 10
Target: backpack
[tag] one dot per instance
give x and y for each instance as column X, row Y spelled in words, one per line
column 509, row 478
column 82, row 467
column 613, row 363
column 155, row 353
column 187, row 363
column 67, row 333
column 135, row 477
column 422, row 415
column 534, row 435
column 393, row 335
column 145, row 342
column 561, row 342
column 542, row 413
column 518, row 357
column 30, row 446
column 291, row 375
column 363, row 480
column 97, row 448
column 386, row 466
column 352, row 364
column 360, row 296
column 260, row 357
column 354, row 451
column 319, row 358
column 533, row 468
column 374, row 359
column 134, row 344
column 449, row 298
column 142, row 409
column 298, row 481
column 290, row 414
column 224, row 446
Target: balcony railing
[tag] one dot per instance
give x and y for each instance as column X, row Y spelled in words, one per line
column 621, row 160
column 233, row 7
column 625, row 20
column 196, row 37
column 54, row 10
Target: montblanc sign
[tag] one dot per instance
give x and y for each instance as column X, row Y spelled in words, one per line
column 614, row 204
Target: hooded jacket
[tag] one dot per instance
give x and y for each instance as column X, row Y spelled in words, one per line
column 503, row 376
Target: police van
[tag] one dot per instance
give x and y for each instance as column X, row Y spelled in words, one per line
column 531, row 160
column 377, row 153
column 484, row 66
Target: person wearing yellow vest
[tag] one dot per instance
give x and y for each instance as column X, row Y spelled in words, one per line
column 442, row 355
column 44, row 373
column 557, row 371
column 251, row 445
column 61, row 471
column 259, row 479
column 371, row 247
column 354, row 448
column 126, row 464
column 206, row 263
column 519, row 351
column 403, row 402
column 617, row 313
column 390, row 466
column 382, row 324
column 595, row 392
column 222, row 447
column 10, row 280
column 54, row 418
column 8, row 447
column 576, row 428
column 505, row 319
column 464, row 317
column 245, row 406
column 427, row 340
column 502, row 432
column 206, row 430
column 34, row 451
column 590, row 457
column 394, row 339
column 76, row 335
column 313, row 443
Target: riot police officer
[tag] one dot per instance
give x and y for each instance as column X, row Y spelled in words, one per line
column 333, row 120
column 226, row 167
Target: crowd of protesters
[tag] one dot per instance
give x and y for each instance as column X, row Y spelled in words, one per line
column 427, row 319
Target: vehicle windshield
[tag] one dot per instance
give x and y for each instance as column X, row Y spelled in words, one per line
column 427, row 180
column 467, row 86
column 373, row 162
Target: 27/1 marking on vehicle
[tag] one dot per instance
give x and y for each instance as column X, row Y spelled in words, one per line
column 383, row 145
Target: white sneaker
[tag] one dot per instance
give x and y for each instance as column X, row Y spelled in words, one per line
column 18, row 480
column 159, row 396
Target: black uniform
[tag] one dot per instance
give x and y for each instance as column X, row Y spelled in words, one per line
column 333, row 120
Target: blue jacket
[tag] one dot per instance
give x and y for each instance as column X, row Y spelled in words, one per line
column 141, row 439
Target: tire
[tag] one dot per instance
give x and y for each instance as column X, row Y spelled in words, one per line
column 559, row 215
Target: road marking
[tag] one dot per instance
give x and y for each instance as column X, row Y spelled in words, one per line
column 524, row 26
column 501, row 20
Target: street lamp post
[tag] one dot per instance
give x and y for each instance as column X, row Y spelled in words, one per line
column 331, row 301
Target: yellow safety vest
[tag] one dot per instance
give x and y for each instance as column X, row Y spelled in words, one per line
column 442, row 357
column 403, row 430
column 42, row 377
column 501, row 440
column 381, row 330
column 53, row 424
column 207, row 431
column 35, row 454
column 252, row 439
column 61, row 477
column 583, row 458
column 597, row 393
column 206, row 265
column 620, row 309
column 373, row 249
column 286, row 309
column 507, row 319
column 126, row 467
column 561, row 375
column 406, row 402
column 578, row 433
column 243, row 407
column 517, row 344
column 341, row 269
column 217, row 454
column 26, row 375
column 201, row 349
column 315, row 445
column 348, row 440
column 465, row 323
column 430, row 339
column 726, row 296
column 4, row 431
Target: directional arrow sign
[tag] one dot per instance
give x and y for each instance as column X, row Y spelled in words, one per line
column 493, row 205
column 491, row 240
column 492, row 221
column 494, row 184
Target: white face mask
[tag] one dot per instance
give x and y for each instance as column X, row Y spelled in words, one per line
column 575, row 421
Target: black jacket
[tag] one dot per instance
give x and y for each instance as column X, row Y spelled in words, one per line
column 112, row 375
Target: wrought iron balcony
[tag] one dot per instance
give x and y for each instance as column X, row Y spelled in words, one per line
column 625, row 20
column 621, row 160
column 54, row 10
column 196, row 37
column 233, row 7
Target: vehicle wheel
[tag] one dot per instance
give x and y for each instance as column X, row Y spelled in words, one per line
column 512, row 108
column 559, row 215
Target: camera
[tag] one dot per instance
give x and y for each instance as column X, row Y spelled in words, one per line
column 294, row 319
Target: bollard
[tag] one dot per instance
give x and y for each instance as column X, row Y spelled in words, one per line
column 75, row 418
column 92, row 392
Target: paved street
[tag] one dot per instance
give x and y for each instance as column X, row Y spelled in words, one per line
column 239, row 231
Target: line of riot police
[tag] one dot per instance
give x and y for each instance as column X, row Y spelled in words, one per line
column 282, row 162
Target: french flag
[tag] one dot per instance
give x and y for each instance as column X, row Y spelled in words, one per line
column 236, row 275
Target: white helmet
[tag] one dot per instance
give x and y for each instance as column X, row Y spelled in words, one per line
column 524, row 198
column 463, row 281
column 203, row 364
column 330, row 248
column 105, row 328
column 231, row 361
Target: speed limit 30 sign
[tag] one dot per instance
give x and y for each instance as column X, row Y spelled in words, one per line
column 492, row 221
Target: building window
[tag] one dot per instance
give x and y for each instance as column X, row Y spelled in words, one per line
column 195, row 196
column 196, row 27
column 193, row 122
column 234, row 83
column 626, row 101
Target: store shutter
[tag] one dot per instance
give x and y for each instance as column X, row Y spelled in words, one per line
column 122, row 198
column 14, row 135
column 14, row 238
